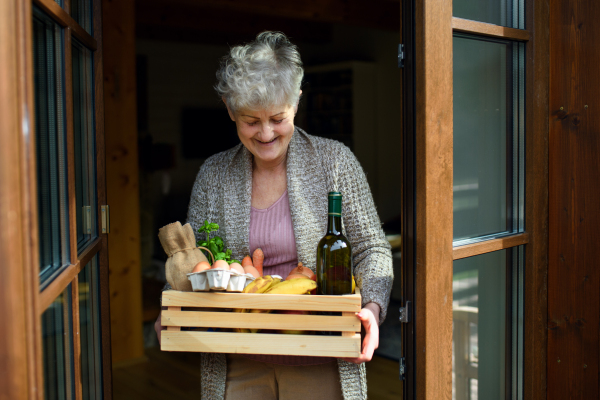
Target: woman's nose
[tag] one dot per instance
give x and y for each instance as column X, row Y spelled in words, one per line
column 266, row 132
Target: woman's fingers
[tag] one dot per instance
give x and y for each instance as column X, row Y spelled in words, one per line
column 371, row 340
column 158, row 327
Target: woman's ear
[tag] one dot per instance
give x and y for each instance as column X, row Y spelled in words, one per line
column 231, row 115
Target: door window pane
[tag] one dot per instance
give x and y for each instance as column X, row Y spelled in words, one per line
column 488, row 326
column 85, row 150
column 508, row 13
column 488, row 137
column 53, row 218
column 89, row 321
column 57, row 343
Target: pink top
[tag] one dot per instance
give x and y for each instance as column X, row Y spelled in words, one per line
column 271, row 229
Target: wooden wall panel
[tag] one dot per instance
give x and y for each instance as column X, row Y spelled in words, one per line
column 574, row 200
column 122, row 189
column 536, row 202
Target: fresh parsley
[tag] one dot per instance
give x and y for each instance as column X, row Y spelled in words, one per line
column 215, row 245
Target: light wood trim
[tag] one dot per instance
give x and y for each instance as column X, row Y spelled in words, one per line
column 21, row 345
column 261, row 343
column 350, row 303
column 434, row 213
column 59, row 284
column 57, row 13
column 347, row 323
column 535, row 337
column 76, row 337
column 485, row 29
column 475, row 249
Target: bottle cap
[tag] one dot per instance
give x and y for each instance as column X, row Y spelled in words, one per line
column 335, row 204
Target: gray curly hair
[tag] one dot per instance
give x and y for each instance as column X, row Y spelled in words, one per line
column 261, row 74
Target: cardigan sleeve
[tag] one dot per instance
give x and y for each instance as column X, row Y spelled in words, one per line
column 372, row 256
column 198, row 210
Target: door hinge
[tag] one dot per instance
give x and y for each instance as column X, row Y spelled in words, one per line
column 105, row 219
column 400, row 56
column 86, row 216
column 405, row 313
column 402, row 363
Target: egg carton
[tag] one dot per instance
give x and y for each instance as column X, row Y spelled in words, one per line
column 219, row 280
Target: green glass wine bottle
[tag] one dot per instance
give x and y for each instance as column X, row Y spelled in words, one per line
column 334, row 253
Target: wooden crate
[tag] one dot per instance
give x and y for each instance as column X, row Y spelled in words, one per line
column 217, row 313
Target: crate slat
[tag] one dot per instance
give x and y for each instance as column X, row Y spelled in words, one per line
column 201, row 319
column 348, row 303
column 174, row 328
column 249, row 343
column 351, row 315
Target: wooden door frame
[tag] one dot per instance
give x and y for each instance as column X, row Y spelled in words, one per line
column 433, row 202
column 428, row 226
column 21, row 344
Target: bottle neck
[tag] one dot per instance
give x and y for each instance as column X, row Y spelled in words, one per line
column 334, row 225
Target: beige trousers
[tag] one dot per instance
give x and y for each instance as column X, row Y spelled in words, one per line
column 252, row 380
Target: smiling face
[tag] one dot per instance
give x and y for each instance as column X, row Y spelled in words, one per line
column 265, row 133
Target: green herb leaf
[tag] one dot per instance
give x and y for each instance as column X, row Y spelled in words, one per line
column 219, row 242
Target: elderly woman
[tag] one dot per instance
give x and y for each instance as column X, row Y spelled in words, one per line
column 270, row 191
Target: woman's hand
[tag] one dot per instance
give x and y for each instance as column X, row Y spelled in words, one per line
column 369, row 316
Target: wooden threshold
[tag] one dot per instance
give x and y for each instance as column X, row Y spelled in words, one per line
column 59, row 284
column 57, row 13
column 475, row 249
column 482, row 28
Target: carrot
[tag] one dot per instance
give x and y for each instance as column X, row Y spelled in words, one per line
column 246, row 261
column 258, row 257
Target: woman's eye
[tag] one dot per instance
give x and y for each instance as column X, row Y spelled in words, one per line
column 251, row 123
column 277, row 121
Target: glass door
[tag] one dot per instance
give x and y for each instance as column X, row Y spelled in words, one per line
column 62, row 194
column 478, row 201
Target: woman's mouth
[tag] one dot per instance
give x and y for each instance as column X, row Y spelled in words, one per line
column 270, row 141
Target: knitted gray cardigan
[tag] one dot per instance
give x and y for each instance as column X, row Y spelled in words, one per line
column 315, row 166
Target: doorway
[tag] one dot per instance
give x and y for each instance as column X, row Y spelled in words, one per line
column 178, row 47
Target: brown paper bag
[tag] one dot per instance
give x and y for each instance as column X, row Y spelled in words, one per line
column 179, row 243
